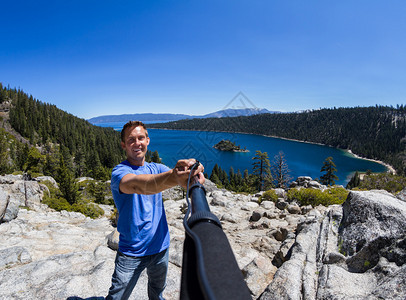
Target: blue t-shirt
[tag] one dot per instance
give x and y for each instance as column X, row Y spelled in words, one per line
column 142, row 221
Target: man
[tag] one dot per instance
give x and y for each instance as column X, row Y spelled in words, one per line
column 144, row 236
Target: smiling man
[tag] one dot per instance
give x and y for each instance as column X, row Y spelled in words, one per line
column 144, row 236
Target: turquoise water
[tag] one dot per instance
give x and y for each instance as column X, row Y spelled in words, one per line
column 303, row 159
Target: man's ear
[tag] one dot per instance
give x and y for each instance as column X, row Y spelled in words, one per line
column 122, row 145
column 148, row 141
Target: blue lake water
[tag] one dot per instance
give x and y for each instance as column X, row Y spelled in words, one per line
column 303, row 159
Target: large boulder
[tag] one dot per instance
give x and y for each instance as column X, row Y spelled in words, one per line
column 402, row 195
column 373, row 223
column 15, row 192
column 357, row 251
column 4, row 200
column 50, row 179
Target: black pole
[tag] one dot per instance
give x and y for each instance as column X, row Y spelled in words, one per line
column 209, row 270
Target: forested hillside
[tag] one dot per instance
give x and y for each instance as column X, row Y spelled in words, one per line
column 373, row 132
column 87, row 150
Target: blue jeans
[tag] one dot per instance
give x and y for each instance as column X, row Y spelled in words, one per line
column 128, row 269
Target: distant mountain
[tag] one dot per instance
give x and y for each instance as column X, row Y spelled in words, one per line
column 147, row 117
column 150, row 117
column 238, row 112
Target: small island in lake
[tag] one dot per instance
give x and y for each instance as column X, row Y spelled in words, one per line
column 226, row 145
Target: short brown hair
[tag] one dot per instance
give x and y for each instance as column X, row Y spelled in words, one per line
column 130, row 124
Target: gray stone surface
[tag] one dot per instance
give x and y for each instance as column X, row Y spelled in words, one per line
column 402, row 195
column 354, row 251
column 16, row 192
column 4, row 200
column 357, row 251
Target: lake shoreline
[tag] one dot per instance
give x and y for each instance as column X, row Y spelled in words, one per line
column 390, row 169
column 388, row 166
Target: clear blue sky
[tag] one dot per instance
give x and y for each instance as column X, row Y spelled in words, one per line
column 94, row 58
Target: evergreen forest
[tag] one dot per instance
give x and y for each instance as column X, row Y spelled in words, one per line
column 43, row 133
column 377, row 132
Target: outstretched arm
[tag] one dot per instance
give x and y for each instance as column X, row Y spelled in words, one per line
column 154, row 183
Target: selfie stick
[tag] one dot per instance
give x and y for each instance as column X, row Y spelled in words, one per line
column 209, row 268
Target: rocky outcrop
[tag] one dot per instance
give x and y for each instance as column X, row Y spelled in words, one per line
column 354, row 251
column 402, row 195
column 16, row 192
column 56, row 255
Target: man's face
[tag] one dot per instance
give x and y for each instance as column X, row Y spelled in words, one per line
column 135, row 145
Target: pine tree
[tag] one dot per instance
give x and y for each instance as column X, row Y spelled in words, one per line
column 80, row 162
column 35, row 161
column 67, row 184
column 231, row 177
column 246, row 174
column 22, row 155
column 261, row 168
column 51, row 167
column 354, row 181
column 155, row 157
column 330, row 168
column 148, row 156
column 98, row 190
column 238, row 178
column 3, row 152
column 216, row 170
column 93, row 164
column 223, row 177
column 2, row 94
column 214, row 178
